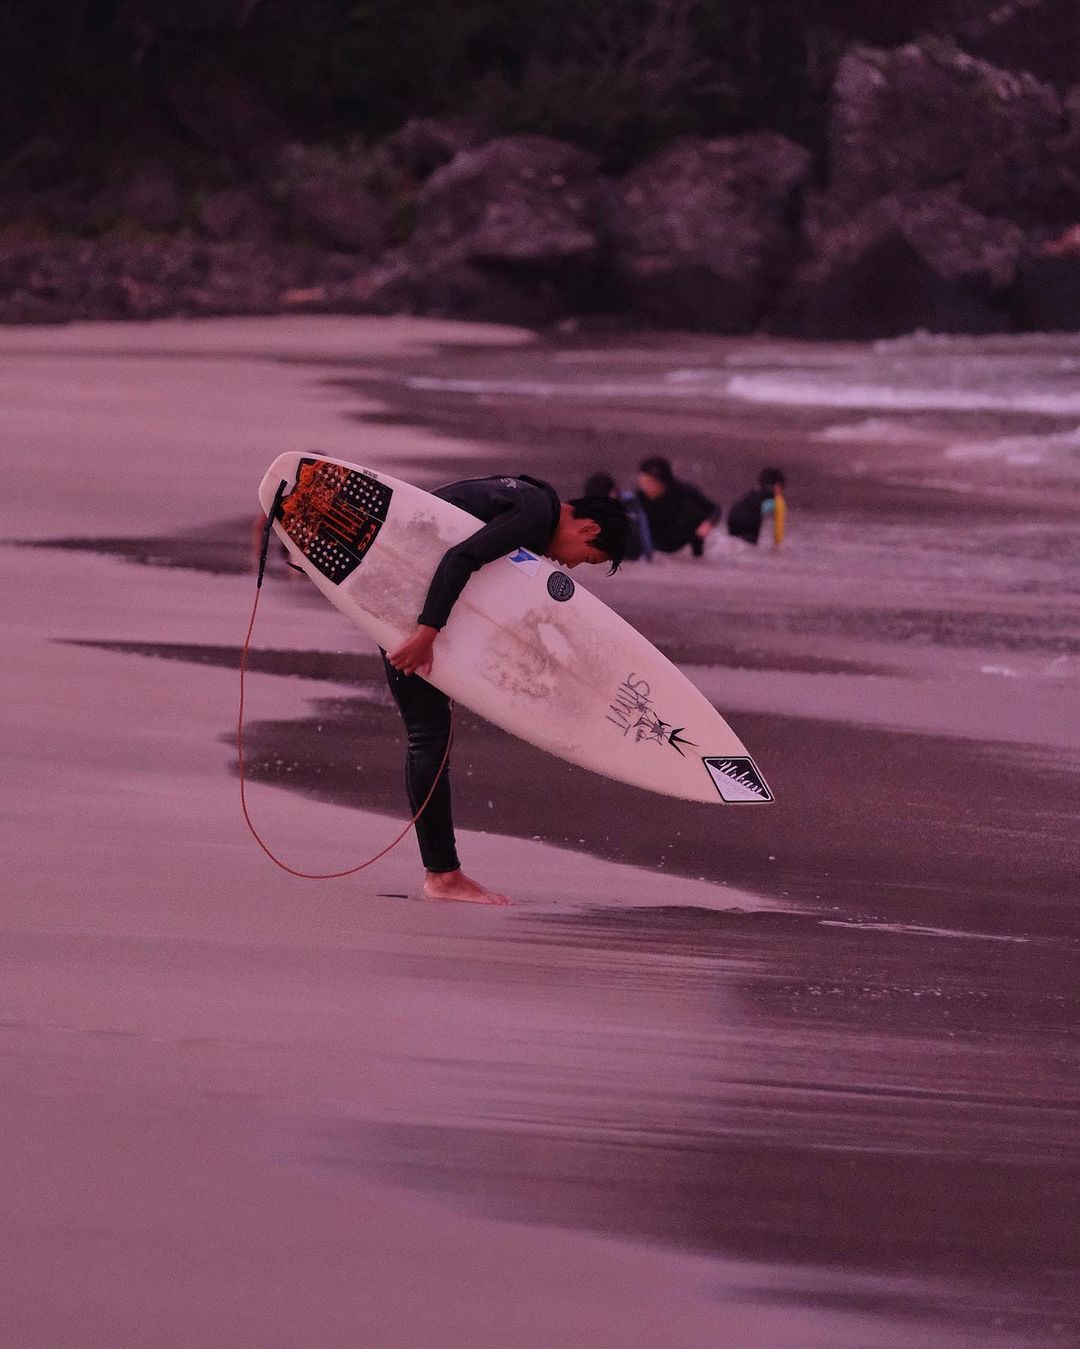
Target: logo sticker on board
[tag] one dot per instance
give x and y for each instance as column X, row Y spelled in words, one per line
column 560, row 586
column 525, row 561
column 737, row 779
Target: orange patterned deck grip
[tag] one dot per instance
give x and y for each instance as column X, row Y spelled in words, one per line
column 333, row 515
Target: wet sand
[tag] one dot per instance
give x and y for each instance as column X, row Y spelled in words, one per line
column 793, row 1077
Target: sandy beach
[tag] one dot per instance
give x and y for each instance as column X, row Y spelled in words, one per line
column 778, row 1079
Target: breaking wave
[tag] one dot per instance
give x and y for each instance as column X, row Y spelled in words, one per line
column 791, row 392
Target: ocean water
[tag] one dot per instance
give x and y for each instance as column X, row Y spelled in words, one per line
column 990, row 425
column 909, row 391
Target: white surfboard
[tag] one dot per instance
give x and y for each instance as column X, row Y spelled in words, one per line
column 526, row 646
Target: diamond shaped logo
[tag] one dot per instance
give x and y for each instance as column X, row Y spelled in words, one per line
column 737, row 779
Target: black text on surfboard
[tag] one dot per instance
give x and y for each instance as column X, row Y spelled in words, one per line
column 737, row 779
column 632, row 711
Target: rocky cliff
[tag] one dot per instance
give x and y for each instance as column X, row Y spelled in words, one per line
column 945, row 195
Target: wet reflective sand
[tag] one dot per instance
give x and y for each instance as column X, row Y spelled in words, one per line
column 795, row 1077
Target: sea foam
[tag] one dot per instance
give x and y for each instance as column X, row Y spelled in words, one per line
column 1022, row 451
column 789, row 392
column 882, row 429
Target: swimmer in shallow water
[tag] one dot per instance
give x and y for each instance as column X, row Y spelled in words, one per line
column 639, row 545
column 764, row 502
column 679, row 514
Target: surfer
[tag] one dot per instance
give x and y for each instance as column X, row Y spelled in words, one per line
column 677, row 512
column 638, row 539
column 520, row 512
column 765, row 501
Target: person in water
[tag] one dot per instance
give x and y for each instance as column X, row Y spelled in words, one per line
column 520, row 512
column 765, row 501
column 639, row 539
column 678, row 513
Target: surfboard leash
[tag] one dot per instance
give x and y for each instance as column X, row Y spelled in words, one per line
column 306, row 875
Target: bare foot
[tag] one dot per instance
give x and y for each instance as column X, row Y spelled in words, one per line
column 455, row 885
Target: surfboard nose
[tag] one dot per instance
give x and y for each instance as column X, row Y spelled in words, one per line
column 737, row 779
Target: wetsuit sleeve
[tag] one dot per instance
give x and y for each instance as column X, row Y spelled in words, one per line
column 710, row 511
column 507, row 531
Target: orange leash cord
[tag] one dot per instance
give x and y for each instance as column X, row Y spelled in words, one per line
column 308, row 875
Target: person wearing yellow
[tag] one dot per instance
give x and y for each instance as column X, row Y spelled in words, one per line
column 747, row 516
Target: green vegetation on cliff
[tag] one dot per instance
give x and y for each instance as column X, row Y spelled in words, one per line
column 619, row 76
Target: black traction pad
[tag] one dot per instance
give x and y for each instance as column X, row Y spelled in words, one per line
column 333, row 514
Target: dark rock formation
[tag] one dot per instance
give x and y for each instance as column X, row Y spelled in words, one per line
column 451, row 289
column 106, row 279
column 425, row 144
column 929, row 115
column 520, row 202
column 1042, row 36
column 237, row 213
column 340, row 214
column 703, row 232
column 507, row 231
column 907, row 261
column 951, row 202
column 1047, row 297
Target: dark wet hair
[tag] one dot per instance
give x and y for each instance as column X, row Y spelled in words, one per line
column 614, row 524
column 658, row 468
column 771, row 477
column 599, row 485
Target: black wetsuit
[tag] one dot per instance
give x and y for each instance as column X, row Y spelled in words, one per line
column 745, row 517
column 517, row 512
column 675, row 517
column 639, row 544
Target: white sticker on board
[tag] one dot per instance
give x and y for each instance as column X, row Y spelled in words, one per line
column 525, row 561
column 736, row 779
